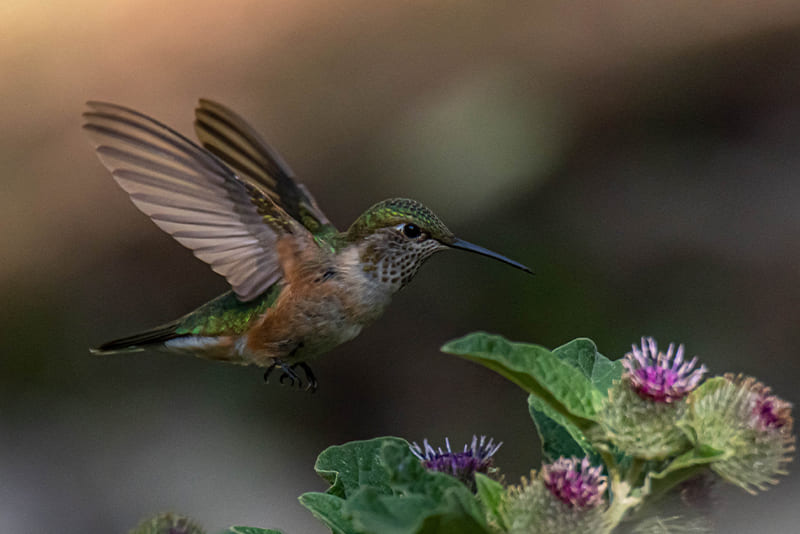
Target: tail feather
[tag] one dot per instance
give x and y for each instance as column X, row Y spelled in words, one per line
column 139, row 342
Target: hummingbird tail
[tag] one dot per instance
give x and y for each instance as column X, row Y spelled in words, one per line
column 138, row 342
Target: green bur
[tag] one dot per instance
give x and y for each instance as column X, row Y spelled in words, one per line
column 722, row 414
column 532, row 509
column 640, row 427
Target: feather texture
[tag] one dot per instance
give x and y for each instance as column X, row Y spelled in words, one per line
column 189, row 193
column 228, row 136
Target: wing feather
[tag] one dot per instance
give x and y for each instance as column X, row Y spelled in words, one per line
column 189, row 193
column 226, row 135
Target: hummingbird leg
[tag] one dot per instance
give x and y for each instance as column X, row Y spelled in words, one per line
column 311, row 380
column 287, row 373
column 269, row 371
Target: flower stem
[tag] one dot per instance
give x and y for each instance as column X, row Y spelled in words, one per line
column 622, row 489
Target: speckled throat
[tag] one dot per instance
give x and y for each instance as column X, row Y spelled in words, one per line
column 391, row 260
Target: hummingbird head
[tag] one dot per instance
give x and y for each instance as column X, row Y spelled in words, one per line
column 397, row 235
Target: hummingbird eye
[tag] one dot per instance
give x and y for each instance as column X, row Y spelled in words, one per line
column 411, row 231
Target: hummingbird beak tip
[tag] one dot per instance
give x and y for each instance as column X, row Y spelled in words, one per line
column 466, row 245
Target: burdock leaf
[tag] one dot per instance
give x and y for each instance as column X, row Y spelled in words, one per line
column 561, row 385
column 328, row 509
column 682, row 468
column 582, row 354
column 355, row 464
column 491, row 495
column 558, row 435
column 698, row 457
column 380, row 486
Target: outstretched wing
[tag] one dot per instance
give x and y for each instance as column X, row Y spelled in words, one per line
column 228, row 136
column 190, row 194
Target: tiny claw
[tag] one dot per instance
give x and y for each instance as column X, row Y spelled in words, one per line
column 311, row 380
column 288, row 374
column 268, row 371
column 284, row 376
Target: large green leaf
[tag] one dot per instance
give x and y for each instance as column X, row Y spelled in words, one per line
column 355, row 464
column 379, row 486
column 421, row 500
column 582, row 354
column 328, row 509
column 564, row 387
column 558, row 435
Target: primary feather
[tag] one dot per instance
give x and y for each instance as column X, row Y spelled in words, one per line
column 226, row 135
column 189, row 193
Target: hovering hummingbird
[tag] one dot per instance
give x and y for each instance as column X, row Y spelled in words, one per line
column 299, row 286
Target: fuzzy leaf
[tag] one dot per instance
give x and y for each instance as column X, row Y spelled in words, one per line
column 684, row 467
column 419, row 498
column 414, row 513
column 491, row 495
column 538, row 371
column 380, row 486
column 352, row 465
column 695, row 457
column 328, row 509
column 558, row 435
column 582, row 354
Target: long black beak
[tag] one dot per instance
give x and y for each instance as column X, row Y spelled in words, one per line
column 466, row 245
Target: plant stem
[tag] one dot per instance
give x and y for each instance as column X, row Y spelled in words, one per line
column 621, row 489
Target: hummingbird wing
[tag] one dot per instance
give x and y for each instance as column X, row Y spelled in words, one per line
column 189, row 193
column 228, row 136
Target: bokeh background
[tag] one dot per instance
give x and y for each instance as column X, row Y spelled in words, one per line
column 642, row 157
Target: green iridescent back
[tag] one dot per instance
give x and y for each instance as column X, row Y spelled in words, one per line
column 226, row 314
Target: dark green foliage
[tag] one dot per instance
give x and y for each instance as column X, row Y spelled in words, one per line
column 380, row 486
column 565, row 383
column 560, row 437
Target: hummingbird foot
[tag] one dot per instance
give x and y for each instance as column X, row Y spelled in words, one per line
column 289, row 376
column 311, row 380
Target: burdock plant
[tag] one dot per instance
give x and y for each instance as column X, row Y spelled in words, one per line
column 645, row 405
column 616, row 435
column 464, row 465
column 567, row 495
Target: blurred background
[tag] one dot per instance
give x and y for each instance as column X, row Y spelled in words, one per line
column 642, row 158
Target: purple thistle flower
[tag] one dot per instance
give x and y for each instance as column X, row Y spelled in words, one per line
column 660, row 377
column 575, row 482
column 475, row 458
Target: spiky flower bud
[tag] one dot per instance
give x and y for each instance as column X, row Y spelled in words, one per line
column 753, row 428
column 658, row 376
column 644, row 406
column 475, row 458
column 575, row 482
column 168, row 523
column 567, row 496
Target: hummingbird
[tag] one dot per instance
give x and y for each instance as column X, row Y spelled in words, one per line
column 299, row 287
